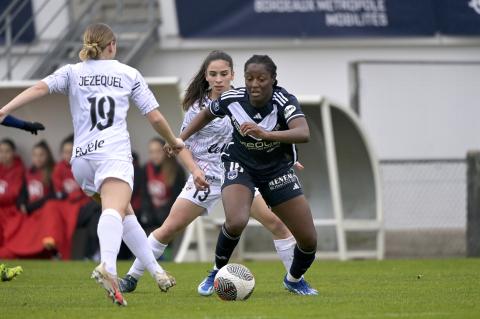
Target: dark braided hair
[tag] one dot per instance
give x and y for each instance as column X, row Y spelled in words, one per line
column 267, row 62
column 198, row 86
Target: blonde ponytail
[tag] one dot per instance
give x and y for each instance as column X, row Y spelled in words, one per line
column 96, row 38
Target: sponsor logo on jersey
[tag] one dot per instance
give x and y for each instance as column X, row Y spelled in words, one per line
column 3, row 187
column 289, row 109
column 261, row 145
column 216, row 148
column 91, row 147
column 282, row 181
column 257, row 116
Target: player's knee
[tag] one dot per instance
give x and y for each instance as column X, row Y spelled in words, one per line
column 235, row 226
column 166, row 233
column 309, row 242
column 278, row 229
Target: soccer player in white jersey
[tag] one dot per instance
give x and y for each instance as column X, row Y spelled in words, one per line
column 99, row 89
column 202, row 159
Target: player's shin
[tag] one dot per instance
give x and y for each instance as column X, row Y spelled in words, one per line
column 109, row 232
column 158, row 249
column 302, row 260
column 285, row 250
column 136, row 239
column 226, row 243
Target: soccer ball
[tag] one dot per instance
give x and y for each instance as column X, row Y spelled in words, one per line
column 234, row 282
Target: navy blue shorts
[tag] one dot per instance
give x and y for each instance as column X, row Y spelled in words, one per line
column 279, row 188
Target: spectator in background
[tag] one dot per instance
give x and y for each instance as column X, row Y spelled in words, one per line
column 63, row 181
column 163, row 179
column 41, row 229
column 12, row 172
column 77, row 209
column 38, row 186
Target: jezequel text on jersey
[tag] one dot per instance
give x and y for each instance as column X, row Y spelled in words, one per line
column 97, row 80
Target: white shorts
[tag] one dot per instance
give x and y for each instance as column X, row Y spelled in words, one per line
column 90, row 174
column 206, row 199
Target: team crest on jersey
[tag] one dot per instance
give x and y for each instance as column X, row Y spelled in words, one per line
column 215, row 106
column 232, row 174
column 35, row 189
column 289, row 109
column 3, row 187
column 69, row 185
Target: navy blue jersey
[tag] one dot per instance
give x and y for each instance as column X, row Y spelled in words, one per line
column 261, row 158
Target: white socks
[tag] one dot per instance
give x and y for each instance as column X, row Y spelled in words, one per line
column 157, row 248
column 293, row 279
column 285, row 249
column 136, row 239
column 109, row 231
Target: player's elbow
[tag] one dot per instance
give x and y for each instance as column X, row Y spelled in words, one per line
column 155, row 117
column 304, row 136
column 41, row 88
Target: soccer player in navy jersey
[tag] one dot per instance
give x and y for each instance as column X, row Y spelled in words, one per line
column 32, row 127
column 267, row 122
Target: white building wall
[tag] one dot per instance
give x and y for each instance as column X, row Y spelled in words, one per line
column 52, row 18
column 304, row 70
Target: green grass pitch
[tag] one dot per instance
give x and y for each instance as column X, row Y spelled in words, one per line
column 356, row 289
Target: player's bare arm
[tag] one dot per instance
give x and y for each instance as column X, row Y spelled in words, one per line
column 298, row 132
column 202, row 119
column 198, row 174
column 31, row 94
column 160, row 124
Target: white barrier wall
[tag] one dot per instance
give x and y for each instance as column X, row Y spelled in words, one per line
column 424, row 110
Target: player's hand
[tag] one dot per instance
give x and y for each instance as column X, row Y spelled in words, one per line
column 179, row 146
column 298, row 166
column 33, row 127
column 199, row 179
column 168, row 150
column 174, row 150
column 253, row 130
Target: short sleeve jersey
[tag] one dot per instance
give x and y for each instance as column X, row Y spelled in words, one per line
column 99, row 93
column 208, row 144
column 263, row 159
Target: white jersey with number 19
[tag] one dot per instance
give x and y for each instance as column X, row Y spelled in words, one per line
column 99, row 92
